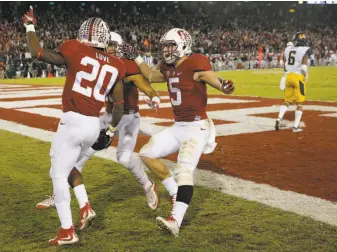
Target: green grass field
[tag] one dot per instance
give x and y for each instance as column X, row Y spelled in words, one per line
column 214, row 222
column 322, row 83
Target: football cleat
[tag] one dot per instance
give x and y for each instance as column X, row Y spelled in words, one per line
column 47, row 203
column 152, row 196
column 277, row 124
column 169, row 224
column 64, row 237
column 87, row 215
column 298, row 129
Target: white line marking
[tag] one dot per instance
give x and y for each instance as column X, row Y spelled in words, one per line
column 13, row 86
column 31, row 93
column 304, row 205
column 25, row 89
column 50, row 112
column 30, row 103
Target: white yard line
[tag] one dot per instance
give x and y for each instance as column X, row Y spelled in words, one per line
column 315, row 208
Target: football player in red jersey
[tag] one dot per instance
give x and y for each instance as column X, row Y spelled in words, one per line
column 193, row 133
column 92, row 74
column 128, row 128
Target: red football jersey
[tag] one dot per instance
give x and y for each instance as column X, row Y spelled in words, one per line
column 91, row 74
column 188, row 97
column 131, row 95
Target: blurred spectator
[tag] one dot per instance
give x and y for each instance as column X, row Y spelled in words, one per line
column 233, row 37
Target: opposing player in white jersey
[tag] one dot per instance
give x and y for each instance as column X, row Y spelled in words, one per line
column 283, row 78
column 92, row 74
column 296, row 59
column 192, row 133
column 128, row 128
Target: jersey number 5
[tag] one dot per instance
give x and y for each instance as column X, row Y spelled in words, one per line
column 96, row 68
column 177, row 101
column 291, row 60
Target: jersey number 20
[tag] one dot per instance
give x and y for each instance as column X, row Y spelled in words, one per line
column 87, row 91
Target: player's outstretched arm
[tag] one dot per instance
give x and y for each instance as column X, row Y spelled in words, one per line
column 151, row 75
column 143, row 85
column 210, row 77
column 35, row 49
column 117, row 97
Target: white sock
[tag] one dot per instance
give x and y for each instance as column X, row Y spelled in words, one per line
column 81, row 195
column 62, row 201
column 283, row 110
column 170, row 185
column 298, row 115
column 136, row 167
column 178, row 211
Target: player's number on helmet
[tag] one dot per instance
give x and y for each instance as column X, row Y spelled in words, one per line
column 96, row 68
column 175, row 90
column 291, row 60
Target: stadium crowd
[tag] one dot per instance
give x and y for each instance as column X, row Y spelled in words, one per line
column 228, row 32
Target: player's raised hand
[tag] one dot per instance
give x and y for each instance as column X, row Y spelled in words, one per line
column 29, row 18
column 130, row 52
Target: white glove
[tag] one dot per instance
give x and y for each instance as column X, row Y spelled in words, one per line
column 154, row 103
column 111, row 131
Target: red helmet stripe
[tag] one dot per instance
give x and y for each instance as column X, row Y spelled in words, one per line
column 92, row 21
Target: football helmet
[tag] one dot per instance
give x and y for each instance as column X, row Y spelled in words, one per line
column 300, row 39
column 176, row 43
column 290, row 44
column 115, row 44
column 94, row 32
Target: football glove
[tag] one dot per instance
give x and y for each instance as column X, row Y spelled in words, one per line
column 130, row 52
column 103, row 141
column 227, row 86
column 153, row 103
column 29, row 20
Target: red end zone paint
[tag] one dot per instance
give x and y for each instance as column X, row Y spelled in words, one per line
column 303, row 162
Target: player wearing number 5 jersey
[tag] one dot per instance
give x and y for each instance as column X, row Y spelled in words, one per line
column 296, row 78
column 193, row 133
column 92, row 74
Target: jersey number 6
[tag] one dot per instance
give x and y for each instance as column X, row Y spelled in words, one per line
column 87, row 91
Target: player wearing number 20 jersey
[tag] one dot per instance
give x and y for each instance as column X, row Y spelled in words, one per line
column 91, row 75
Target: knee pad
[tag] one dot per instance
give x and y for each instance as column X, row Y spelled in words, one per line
column 124, row 158
column 61, row 189
column 183, row 174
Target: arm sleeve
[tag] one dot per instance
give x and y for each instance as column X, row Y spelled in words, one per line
column 202, row 63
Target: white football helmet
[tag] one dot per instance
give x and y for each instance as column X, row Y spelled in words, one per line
column 116, row 41
column 181, row 41
column 94, row 32
column 290, row 44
